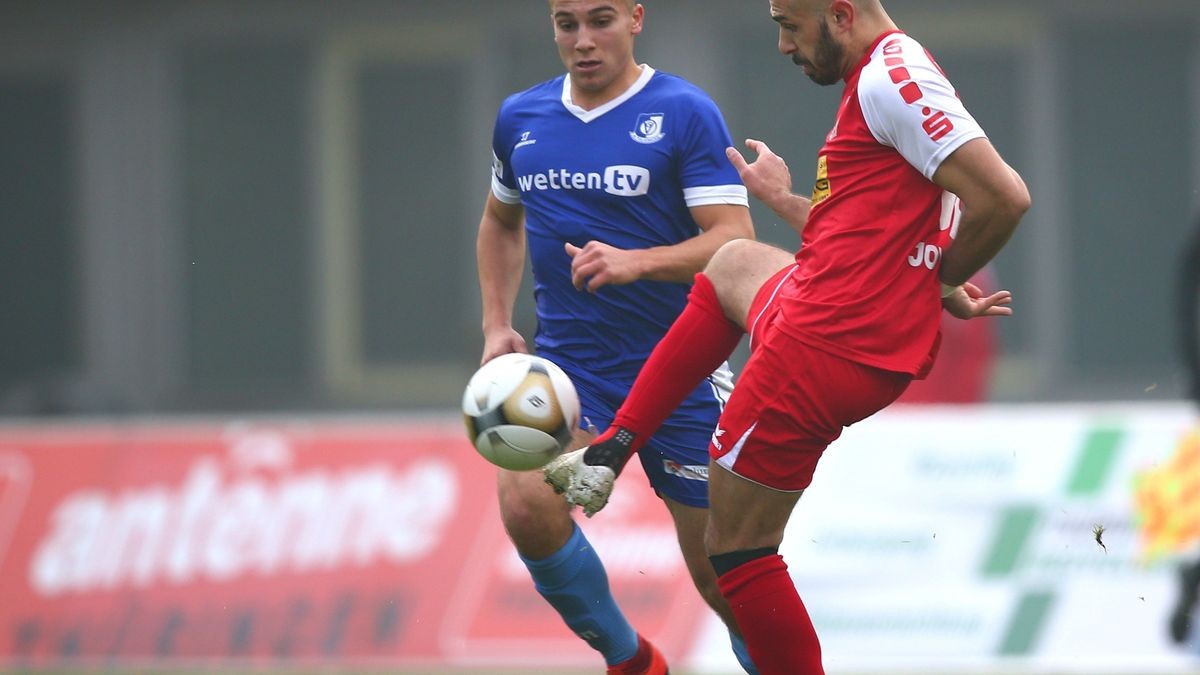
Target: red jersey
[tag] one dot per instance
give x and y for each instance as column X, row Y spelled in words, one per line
column 867, row 286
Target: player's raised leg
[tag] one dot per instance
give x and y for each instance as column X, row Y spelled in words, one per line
column 699, row 341
column 703, row 336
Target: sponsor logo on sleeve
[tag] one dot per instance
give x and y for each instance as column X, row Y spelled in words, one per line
column 936, row 125
column 497, row 167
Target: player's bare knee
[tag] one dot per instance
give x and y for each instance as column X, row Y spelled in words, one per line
column 532, row 514
column 729, row 259
column 738, row 270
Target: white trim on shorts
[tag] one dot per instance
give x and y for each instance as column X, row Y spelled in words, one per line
column 754, row 324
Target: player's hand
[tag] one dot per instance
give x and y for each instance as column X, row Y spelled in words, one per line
column 502, row 341
column 597, row 265
column 969, row 302
column 767, row 178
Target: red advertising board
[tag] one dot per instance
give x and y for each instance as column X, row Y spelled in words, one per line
column 298, row 543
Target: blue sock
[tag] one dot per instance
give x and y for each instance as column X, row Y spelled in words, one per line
column 574, row 582
column 742, row 654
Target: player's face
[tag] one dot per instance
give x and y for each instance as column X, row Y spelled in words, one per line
column 804, row 35
column 595, row 42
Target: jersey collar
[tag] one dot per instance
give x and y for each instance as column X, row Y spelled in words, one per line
column 589, row 115
column 871, row 52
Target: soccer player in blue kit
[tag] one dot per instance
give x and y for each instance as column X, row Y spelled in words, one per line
column 615, row 177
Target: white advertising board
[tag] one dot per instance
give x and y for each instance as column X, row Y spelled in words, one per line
column 967, row 539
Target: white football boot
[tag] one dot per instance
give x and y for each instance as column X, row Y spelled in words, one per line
column 589, row 483
column 580, row 484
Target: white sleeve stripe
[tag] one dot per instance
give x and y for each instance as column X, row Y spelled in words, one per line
column 716, row 194
column 505, row 193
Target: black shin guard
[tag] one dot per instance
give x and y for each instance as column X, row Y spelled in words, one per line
column 724, row 562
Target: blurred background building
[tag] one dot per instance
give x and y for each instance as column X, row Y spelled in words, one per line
column 213, row 205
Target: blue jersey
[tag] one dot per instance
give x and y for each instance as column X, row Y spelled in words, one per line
column 624, row 174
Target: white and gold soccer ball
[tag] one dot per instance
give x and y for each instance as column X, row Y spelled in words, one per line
column 520, row 411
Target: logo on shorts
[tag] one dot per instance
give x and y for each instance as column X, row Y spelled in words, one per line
column 716, row 438
column 649, row 128
column 686, row 471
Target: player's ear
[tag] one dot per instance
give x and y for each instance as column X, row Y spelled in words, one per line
column 841, row 14
column 639, row 14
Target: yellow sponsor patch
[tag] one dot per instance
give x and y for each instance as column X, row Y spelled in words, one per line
column 821, row 187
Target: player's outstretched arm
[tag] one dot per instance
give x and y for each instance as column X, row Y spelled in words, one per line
column 994, row 198
column 597, row 264
column 500, row 255
column 770, row 181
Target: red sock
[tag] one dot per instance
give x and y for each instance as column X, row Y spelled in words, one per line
column 779, row 635
column 647, row 661
column 699, row 341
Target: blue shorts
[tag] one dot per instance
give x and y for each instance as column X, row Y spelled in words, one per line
column 676, row 457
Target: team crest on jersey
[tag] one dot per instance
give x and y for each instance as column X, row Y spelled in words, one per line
column 649, row 128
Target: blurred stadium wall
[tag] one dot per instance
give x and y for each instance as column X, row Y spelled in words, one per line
column 212, row 205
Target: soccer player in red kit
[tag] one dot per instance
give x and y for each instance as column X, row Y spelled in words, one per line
column 910, row 200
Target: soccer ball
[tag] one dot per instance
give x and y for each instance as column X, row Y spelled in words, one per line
column 520, row 411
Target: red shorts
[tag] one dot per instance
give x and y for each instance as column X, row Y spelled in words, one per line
column 792, row 400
